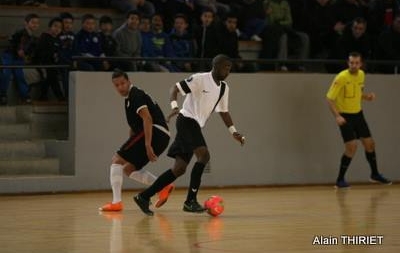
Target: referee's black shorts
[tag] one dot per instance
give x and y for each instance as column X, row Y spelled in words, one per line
column 134, row 150
column 355, row 127
column 188, row 138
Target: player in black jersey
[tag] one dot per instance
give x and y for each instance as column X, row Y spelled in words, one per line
column 149, row 137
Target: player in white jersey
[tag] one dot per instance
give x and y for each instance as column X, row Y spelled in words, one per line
column 205, row 93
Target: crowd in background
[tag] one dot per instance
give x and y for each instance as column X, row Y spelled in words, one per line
column 300, row 29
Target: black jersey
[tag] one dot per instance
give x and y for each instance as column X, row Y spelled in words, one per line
column 136, row 100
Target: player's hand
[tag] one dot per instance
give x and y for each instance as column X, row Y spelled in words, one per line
column 240, row 138
column 173, row 113
column 369, row 96
column 150, row 154
column 340, row 120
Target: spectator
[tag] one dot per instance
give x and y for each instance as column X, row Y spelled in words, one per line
column 388, row 46
column 182, row 42
column 320, row 28
column 251, row 20
column 217, row 7
column 156, row 44
column 67, row 39
column 46, row 53
column 354, row 39
column 145, row 8
column 381, row 14
column 129, row 40
column 109, row 44
column 206, row 38
column 88, row 43
column 229, row 40
column 280, row 35
column 19, row 52
column 345, row 11
column 170, row 8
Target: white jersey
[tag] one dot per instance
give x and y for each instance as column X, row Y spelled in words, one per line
column 202, row 94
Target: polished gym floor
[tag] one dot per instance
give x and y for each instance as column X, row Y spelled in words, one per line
column 364, row 218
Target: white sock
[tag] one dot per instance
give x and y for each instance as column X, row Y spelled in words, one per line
column 116, row 181
column 143, row 176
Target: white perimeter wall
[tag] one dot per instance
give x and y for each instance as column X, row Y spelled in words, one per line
column 291, row 135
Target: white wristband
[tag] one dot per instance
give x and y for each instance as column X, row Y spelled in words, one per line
column 232, row 129
column 174, row 104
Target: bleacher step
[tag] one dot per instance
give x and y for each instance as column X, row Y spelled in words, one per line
column 10, row 150
column 39, row 166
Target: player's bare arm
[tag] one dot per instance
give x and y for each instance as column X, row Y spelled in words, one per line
column 227, row 119
column 148, row 132
column 338, row 118
column 173, row 92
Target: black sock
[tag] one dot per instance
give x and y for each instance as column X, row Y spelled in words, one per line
column 371, row 158
column 163, row 180
column 195, row 180
column 344, row 164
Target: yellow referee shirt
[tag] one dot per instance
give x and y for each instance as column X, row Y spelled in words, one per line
column 346, row 90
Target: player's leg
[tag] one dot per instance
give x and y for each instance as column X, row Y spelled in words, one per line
column 191, row 204
column 143, row 199
column 116, row 179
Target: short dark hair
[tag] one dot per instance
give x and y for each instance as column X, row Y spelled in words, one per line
column 88, row 16
column 355, row 54
column 105, row 20
column 182, row 16
column 220, row 58
column 53, row 20
column 360, row 20
column 30, row 16
column 132, row 12
column 66, row 15
column 118, row 73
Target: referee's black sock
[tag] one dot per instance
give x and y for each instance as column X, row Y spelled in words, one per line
column 344, row 164
column 163, row 180
column 371, row 158
column 195, row 180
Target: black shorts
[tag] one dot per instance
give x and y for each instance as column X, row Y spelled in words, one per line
column 355, row 127
column 188, row 138
column 134, row 150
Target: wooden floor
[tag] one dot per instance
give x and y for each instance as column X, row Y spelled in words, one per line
column 290, row 219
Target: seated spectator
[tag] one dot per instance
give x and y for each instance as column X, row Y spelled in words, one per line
column 182, row 43
column 145, row 8
column 156, row 44
column 388, row 46
column 279, row 38
column 251, row 20
column 46, row 53
column 216, row 6
column 320, row 28
column 354, row 39
column 88, row 43
column 170, row 8
column 229, row 41
column 109, row 44
column 381, row 14
column 206, row 39
column 66, row 38
column 345, row 11
column 129, row 40
column 19, row 52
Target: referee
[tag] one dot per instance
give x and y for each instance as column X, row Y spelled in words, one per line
column 205, row 93
column 344, row 99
